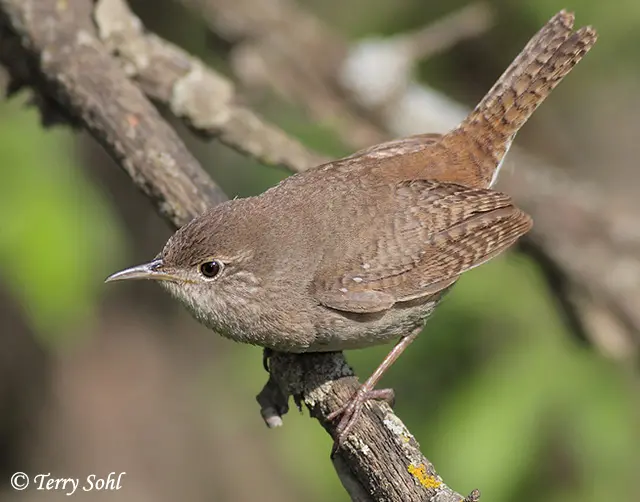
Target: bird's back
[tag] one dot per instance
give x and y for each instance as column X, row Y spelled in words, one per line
column 381, row 247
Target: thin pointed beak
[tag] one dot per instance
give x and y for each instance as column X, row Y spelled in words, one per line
column 152, row 270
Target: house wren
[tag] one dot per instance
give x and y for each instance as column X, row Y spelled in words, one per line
column 359, row 251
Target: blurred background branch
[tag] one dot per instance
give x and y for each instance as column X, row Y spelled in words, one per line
column 132, row 382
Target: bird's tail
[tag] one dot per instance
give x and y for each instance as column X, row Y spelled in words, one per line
column 535, row 72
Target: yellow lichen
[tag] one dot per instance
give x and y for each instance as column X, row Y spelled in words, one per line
column 420, row 473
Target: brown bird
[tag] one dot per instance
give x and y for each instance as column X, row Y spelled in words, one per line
column 359, row 251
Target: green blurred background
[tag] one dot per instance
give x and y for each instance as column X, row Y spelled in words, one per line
column 501, row 396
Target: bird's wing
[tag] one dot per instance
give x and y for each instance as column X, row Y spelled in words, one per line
column 434, row 232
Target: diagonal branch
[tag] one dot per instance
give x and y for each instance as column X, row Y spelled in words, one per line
column 202, row 97
column 68, row 66
column 53, row 48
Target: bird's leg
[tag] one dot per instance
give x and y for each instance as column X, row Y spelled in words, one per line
column 351, row 410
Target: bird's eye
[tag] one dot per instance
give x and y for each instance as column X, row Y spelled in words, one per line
column 210, row 269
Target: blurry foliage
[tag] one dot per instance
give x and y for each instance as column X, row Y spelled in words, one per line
column 500, row 396
column 58, row 236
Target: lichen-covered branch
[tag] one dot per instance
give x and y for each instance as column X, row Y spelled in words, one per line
column 201, row 96
column 52, row 46
column 381, row 460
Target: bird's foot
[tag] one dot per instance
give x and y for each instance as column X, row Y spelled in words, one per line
column 351, row 411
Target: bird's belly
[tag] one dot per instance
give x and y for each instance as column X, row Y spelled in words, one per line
column 343, row 330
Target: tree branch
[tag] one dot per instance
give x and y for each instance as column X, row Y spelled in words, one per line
column 381, row 460
column 69, row 66
column 53, row 48
column 203, row 98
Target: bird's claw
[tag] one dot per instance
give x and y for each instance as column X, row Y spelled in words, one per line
column 351, row 411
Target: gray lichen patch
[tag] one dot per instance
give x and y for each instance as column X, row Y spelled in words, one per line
column 203, row 97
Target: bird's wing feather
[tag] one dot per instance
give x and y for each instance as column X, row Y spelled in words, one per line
column 435, row 232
